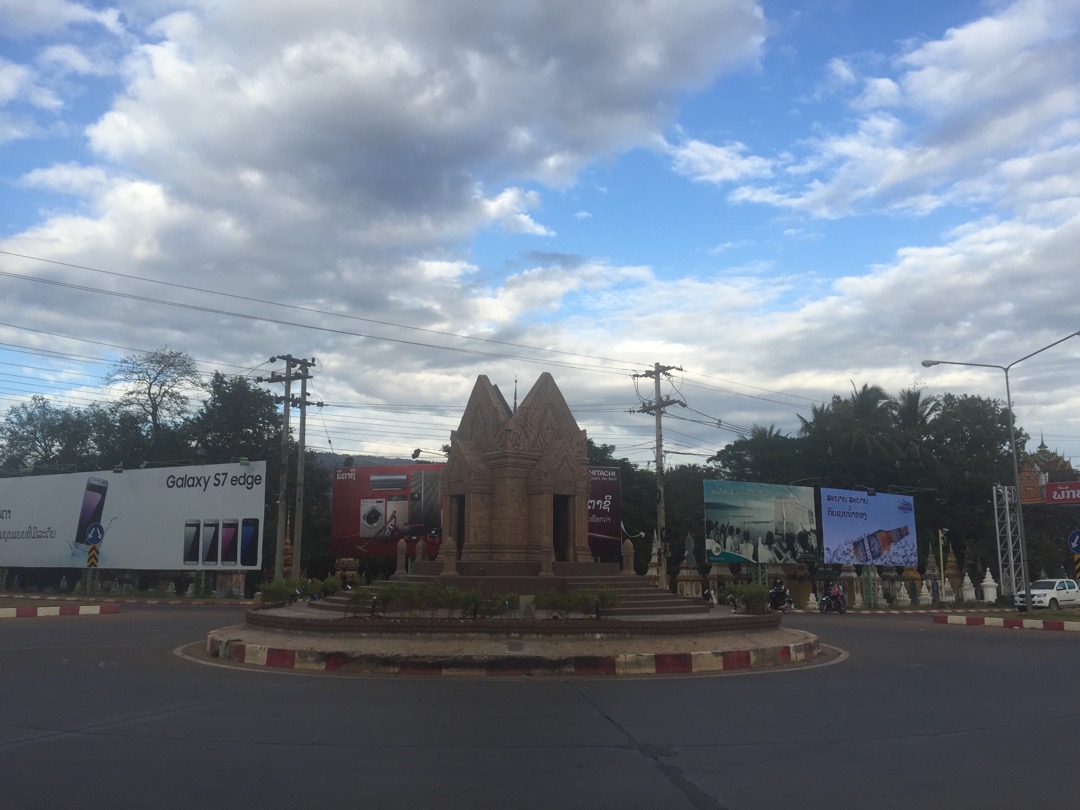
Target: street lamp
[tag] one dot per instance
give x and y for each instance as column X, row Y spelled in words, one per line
column 1015, row 457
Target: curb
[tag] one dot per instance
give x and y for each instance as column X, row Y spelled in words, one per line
column 1012, row 624
column 108, row 600
column 57, row 610
column 684, row 663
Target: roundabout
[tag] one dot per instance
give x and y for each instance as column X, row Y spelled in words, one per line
column 302, row 637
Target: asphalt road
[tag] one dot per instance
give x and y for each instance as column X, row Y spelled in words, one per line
column 98, row 712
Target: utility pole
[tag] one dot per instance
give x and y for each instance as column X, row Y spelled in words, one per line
column 298, row 524
column 283, row 478
column 656, row 407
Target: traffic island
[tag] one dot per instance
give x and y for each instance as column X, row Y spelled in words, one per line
column 298, row 638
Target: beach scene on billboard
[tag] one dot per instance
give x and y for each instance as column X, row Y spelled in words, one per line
column 862, row 529
column 759, row 523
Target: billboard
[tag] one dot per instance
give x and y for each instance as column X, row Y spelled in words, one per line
column 206, row 517
column 374, row 507
column 1063, row 492
column 605, row 512
column 858, row 528
column 759, row 523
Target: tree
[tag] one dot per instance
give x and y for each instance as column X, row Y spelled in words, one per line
column 912, row 414
column 156, row 384
column 120, row 436
column 39, row 434
column 765, row 456
column 971, row 435
column 236, row 420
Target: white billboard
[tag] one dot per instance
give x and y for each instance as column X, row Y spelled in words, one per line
column 196, row 518
column 859, row 528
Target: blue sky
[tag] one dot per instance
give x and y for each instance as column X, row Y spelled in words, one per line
column 783, row 198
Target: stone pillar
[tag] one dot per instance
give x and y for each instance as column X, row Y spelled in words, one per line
column 448, row 554
column 903, row 598
column 627, row 558
column 402, row 551
column 967, row 589
column 547, row 555
column 989, row 588
column 421, row 550
column 950, row 594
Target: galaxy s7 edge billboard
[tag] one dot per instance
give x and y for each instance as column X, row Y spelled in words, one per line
column 198, row 517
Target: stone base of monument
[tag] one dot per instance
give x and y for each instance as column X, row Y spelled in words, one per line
column 304, row 637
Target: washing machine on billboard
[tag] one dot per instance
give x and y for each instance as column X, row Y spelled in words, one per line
column 372, row 516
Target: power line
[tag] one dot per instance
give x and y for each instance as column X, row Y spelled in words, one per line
column 292, row 306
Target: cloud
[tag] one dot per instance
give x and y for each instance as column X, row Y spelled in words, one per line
column 24, row 18
column 999, row 89
column 707, row 163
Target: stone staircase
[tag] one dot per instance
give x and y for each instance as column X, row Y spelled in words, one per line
column 637, row 596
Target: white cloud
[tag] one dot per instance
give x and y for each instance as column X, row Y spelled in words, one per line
column 708, row 163
column 17, row 82
column 343, row 157
column 30, row 17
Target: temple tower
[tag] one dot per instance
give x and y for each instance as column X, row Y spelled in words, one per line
column 516, row 484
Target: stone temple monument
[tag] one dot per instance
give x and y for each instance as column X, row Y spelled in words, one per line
column 516, row 484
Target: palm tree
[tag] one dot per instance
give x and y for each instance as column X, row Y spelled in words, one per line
column 912, row 414
column 867, row 421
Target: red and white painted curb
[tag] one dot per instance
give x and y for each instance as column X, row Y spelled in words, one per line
column 626, row 664
column 1016, row 624
column 56, row 610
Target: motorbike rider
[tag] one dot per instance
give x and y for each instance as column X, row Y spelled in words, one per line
column 836, row 594
column 778, row 595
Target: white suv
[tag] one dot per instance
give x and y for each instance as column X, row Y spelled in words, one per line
column 1052, row 594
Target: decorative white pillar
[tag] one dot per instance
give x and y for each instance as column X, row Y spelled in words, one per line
column 989, row 588
column 967, row 589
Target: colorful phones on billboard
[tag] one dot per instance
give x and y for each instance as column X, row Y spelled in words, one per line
column 191, row 541
column 93, row 506
column 230, row 529
column 210, row 542
column 249, row 542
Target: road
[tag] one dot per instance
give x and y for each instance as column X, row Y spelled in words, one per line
column 98, row 712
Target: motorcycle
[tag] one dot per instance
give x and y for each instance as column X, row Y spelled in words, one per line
column 832, row 602
column 780, row 599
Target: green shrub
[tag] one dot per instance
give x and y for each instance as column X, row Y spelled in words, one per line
column 606, row 598
column 331, row 585
column 751, row 598
column 278, row 591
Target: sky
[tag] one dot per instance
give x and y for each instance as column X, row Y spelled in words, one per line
column 776, row 200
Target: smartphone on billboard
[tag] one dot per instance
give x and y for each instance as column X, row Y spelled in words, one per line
column 249, row 542
column 191, row 541
column 230, row 529
column 210, row 542
column 93, row 506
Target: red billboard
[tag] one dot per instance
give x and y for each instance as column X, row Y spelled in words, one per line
column 1063, row 492
column 605, row 512
column 374, row 507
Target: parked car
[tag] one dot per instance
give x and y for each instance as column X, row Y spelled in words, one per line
column 1052, row 594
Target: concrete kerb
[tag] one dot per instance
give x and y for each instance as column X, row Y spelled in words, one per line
column 1009, row 624
column 463, row 652
column 57, row 610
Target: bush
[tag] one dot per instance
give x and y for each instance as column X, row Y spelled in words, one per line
column 277, row 592
column 751, row 598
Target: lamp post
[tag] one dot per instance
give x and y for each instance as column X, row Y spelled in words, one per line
column 1015, row 456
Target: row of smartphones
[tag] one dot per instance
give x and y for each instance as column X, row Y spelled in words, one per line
column 228, row 542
